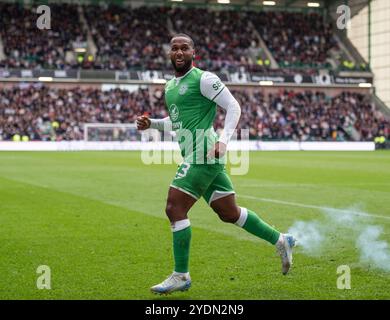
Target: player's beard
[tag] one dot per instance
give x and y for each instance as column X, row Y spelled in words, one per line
column 184, row 68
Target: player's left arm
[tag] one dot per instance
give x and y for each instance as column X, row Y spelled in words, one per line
column 213, row 88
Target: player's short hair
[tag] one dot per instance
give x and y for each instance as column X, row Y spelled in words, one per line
column 183, row 35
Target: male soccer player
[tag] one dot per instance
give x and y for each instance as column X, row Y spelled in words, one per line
column 192, row 97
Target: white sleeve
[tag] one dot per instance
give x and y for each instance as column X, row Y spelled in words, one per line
column 161, row 124
column 233, row 112
column 210, row 85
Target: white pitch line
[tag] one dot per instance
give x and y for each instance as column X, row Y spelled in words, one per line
column 280, row 185
column 302, row 205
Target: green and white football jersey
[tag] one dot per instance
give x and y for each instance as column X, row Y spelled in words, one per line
column 191, row 106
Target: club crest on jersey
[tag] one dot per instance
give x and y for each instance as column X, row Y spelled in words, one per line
column 183, row 89
column 174, row 112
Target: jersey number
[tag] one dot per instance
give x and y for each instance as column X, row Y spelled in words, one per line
column 184, row 169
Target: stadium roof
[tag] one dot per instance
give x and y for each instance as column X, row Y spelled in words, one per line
column 276, row 3
column 331, row 5
column 356, row 5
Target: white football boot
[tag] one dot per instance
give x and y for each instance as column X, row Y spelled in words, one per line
column 175, row 282
column 284, row 247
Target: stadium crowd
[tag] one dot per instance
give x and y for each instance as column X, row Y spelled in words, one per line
column 129, row 38
column 227, row 43
column 310, row 116
column 296, row 39
column 45, row 113
column 138, row 38
column 26, row 46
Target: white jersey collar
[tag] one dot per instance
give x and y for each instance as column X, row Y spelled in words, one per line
column 177, row 79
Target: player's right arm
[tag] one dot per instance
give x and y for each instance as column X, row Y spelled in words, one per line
column 144, row 122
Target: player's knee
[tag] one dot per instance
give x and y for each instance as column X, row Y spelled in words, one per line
column 170, row 209
column 175, row 212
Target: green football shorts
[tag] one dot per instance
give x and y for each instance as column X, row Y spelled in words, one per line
column 208, row 180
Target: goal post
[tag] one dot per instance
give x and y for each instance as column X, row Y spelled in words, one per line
column 98, row 132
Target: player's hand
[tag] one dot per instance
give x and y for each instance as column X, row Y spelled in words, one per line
column 143, row 123
column 218, row 151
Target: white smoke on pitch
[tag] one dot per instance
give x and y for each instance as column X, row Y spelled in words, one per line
column 310, row 236
column 316, row 236
column 373, row 250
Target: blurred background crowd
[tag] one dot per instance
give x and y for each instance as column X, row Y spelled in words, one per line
column 45, row 113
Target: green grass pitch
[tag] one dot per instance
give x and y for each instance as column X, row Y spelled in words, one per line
column 97, row 220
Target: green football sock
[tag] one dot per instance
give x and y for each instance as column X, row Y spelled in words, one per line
column 259, row 228
column 181, row 249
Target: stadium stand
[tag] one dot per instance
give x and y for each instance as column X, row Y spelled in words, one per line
column 236, row 40
column 45, row 113
column 230, row 42
column 126, row 40
column 296, row 39
column 48, row 113
column 26, row 46
column 310, row 116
